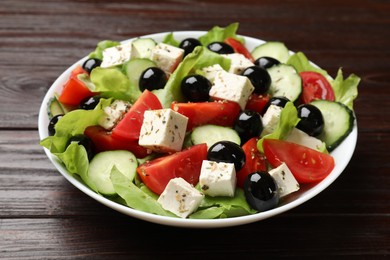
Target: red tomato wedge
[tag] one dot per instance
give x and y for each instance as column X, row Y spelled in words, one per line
column 315, row 86
column 74, row 90
column 103, row 141
column 254, row 161
column 129, row 127
column 185, row 164
column 307, row 165
column 223, row 113
column 257, row 102
column 239, row 48
column 78, row 70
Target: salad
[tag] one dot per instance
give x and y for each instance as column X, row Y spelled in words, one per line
column 201, row 128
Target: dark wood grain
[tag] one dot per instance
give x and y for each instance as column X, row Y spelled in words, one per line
column 86, row 238
column 42, row 216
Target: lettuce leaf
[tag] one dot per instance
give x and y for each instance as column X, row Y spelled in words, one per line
column 98, row 52
column 170, row 39
column 199, row 58
column 71, row 124
column 288, row 120
column 215, row 34
column 301, row 63
column 75, row 159
column 219, row 34
column 345, row 90
column 111, row 82
column 136, row 198
column 223, row 207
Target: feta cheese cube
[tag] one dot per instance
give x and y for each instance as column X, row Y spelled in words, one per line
column 231, row 87
column 284, row 179
column 210, row 71
column 180, row 197
column 238, row 63
column 271, row 119
column 116, row 55
column 113, row 114
column 163, row 130
column 217, row 178
column 299, row 137
column 167, row 57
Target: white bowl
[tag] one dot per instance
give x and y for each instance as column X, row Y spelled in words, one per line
column 342, row 155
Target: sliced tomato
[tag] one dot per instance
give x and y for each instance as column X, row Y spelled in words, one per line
column 257, row 102
column 74, row 90
column 307, row 165
column 185, row 164
column 315, row 86
column 222, row 113
column 129, row 127
column 78, row 70
column 239, row 48
column 104, row 141
column 254, row 161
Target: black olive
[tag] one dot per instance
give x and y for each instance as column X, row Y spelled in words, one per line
column 266, row 62
column 84, row 141
column 90, row 64
column 220, row 48
column 227, row 152
column 52, row 123
column 188, row 45
column 277, row 101
column 248, row 125
column 152, row 78
column 261, row 191
column 312, row 121
column 89, row 103
column 259, row 78
column 196, row 88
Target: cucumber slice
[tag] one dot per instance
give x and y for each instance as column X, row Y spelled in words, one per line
column 285, row 82
column 142, row 48
column 276, row 50
column 134, row 68
column 210, row 134
column 338, row 122
column 100, row 169
column 55, row 108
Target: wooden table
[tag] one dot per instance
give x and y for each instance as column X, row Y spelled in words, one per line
column 42, row 216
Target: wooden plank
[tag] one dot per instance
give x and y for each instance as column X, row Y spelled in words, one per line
column 123, row 238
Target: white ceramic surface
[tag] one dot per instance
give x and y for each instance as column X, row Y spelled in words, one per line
column 341, row 154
